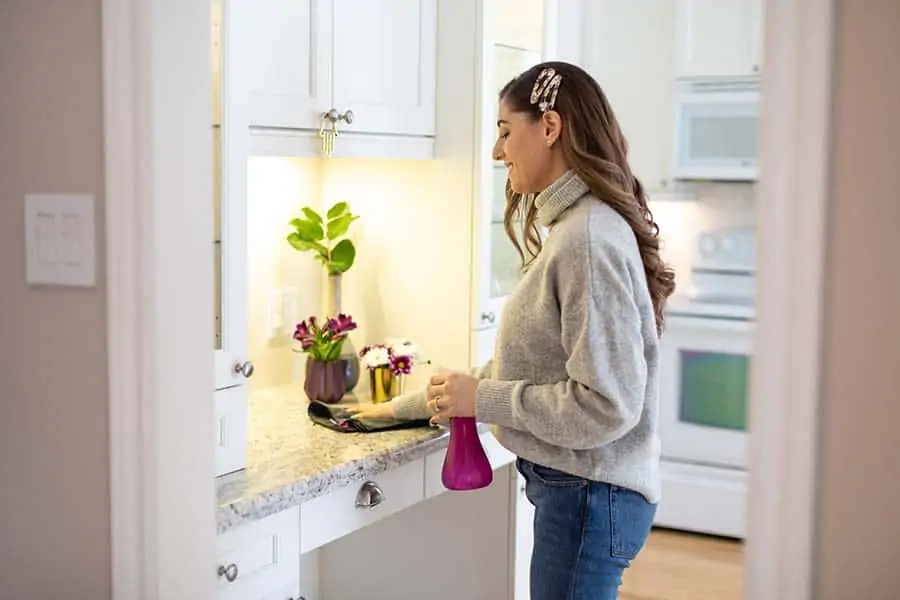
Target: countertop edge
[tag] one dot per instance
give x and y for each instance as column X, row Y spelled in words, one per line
column 262, row 505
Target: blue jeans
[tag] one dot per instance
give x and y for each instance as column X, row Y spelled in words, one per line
column 586, row 533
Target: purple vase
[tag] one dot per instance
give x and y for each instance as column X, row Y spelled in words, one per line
column 325, row 381
column 466, row 466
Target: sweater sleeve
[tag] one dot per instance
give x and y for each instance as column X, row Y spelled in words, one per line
column 414, row 405
column 602, row 398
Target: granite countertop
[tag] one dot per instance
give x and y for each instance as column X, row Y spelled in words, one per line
column 292, row 460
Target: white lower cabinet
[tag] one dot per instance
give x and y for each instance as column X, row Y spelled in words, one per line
column 391, row 536
column 261, row 560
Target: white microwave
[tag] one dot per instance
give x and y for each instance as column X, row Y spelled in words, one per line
column 716, row 123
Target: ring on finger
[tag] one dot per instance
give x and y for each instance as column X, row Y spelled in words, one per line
column 437, row 405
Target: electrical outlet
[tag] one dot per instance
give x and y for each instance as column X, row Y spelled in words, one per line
column 289, row 306
column 276, row 313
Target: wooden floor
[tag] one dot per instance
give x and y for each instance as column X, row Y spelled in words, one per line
column 683, row 566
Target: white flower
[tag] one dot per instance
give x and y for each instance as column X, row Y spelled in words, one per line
column 376, row 357
column 407, row 348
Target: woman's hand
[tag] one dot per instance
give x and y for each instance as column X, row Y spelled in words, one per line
column 369, row 410
column 452, row 395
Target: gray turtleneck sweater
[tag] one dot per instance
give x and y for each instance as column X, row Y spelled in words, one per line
column 573, row 381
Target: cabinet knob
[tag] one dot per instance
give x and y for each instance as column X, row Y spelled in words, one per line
column 369, row 496
column 230, row 572
column 245, row 368
column 346, row 116
column 756, row 68
column 488, row 317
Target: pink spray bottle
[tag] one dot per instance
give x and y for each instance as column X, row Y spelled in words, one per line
column 466, row 466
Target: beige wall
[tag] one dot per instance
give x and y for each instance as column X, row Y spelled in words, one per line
column 859, row 512
column 54, row 473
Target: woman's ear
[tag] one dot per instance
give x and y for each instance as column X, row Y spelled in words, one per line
column 552, row 126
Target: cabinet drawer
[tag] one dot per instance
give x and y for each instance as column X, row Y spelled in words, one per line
column 497, row 455
column 329, row 517
column 262, row 557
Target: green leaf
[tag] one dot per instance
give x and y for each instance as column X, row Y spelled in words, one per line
column 302, row 245
column 333, row 351
column 312, row 215
column 342, row 256
column 308, row 231
column 339, row 226
column 337, row 210
column 298, row 244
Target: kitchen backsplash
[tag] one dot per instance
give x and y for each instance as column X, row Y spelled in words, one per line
column 698, row 207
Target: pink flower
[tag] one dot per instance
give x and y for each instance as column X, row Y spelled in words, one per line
column 401, row 365
column 341, row 325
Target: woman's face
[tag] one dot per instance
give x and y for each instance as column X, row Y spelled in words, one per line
column 526, row 148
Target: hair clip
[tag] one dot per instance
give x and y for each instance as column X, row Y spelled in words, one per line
column 545, row 90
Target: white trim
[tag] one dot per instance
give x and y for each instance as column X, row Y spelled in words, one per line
column 123, row 303
column 792, row 201
column 158, row 162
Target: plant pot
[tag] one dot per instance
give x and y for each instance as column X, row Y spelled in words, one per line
column 384, row 384
column 325, row 381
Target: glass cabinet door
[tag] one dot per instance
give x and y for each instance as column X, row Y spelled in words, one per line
column 217, row 168
column 230, row 139
column 513, row 41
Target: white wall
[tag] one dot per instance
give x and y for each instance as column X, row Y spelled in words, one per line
column 277, row 190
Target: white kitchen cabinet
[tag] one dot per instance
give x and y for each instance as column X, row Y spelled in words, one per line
column 373, row 62
column 260, row 560
column 632, row 37
column 512, row 40
column 718, row 38
column 230, row 138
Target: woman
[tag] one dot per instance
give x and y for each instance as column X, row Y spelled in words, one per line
column 572, row 386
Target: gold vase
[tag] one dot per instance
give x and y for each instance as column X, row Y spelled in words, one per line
column 384, row 384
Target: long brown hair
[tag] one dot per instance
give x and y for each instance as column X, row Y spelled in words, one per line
column 595, row 149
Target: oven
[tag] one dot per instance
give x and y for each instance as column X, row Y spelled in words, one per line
column 703, row 379
column 705, row 358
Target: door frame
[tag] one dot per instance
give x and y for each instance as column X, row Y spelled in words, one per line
column 158, row 169
column 159, row 302
column 792, row 209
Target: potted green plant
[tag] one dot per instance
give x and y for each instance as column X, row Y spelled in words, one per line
column 326, row 238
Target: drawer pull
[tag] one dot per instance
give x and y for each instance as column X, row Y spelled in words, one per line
column 230, row 572
column 369, row 496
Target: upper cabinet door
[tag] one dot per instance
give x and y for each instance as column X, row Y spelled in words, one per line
column 384, row 65
column 283, row 55
column 718, row 38
column 513, row 40
column 636, row 36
